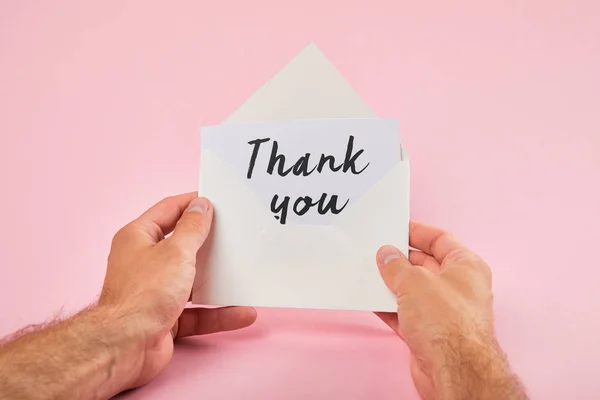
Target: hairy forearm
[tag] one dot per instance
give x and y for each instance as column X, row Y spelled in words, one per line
column 89, row 356
column 475, row 368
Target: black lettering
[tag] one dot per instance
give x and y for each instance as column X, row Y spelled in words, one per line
column 351, row 158
column 331, row 159
column 331, row 205
column 307, row 200
column 256, row 143
column 301, row 166
column 283, row 208
column 278, row 159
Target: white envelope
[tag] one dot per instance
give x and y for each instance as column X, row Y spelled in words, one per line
column 251, row 259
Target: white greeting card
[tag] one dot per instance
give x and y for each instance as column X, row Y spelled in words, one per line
column 306, row 185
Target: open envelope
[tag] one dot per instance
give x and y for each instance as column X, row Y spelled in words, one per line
column 251, row 259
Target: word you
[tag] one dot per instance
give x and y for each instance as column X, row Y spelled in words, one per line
column 302, row 168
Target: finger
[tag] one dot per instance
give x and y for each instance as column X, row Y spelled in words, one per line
column 392, row 266
column 424, row 260
column 201, row 321
column 159, row 220
column 193, row 226
column 433, row 241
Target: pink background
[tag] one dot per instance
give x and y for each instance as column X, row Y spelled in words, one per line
column 100, row 108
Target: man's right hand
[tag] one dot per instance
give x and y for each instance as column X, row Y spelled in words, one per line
column 445, row 316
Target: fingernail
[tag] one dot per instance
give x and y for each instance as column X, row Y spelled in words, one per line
column 387, row 254
column 199, row 204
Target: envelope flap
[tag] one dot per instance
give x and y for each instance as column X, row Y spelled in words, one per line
column 308, row 87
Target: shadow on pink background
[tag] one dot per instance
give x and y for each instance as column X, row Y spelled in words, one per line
column 100, row 109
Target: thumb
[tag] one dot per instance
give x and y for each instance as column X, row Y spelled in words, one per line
column 193, row 226
column 393, row 267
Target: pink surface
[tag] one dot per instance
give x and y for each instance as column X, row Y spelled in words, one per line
column 100, row 106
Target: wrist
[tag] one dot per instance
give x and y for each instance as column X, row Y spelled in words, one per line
column 94, row 354
column 473, row 366
column 123, row 339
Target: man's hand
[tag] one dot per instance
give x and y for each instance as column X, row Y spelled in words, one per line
column 127, row 339
column 445, row 316
column 149, row 280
